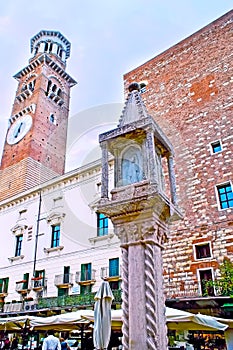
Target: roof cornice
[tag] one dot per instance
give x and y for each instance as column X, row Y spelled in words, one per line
column 52, row 33
column 45, row 59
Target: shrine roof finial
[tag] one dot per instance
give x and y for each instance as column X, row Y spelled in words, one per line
column 134, row 86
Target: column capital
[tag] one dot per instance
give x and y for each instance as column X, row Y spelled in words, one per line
column 141, row 233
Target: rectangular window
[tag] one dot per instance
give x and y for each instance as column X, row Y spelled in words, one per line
column 4, row 285
column 18, row 248
column 216, row 147
column 225, row 196
column 40, row 273
column 202, row 251
column 61, row 292
column 39, row 282
column 55, row 236
column 114, row 285
column 86, row 272
column 86, row 289
column 142, row 87
column 25, row 278
column 66, row 276
column 205, row 276
column 102, row 225
column 113, row 267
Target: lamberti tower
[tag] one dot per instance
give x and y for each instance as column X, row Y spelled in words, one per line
column 35, row 144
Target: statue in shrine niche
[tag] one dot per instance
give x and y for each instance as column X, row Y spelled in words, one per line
column 140, row 214
column 131, row 166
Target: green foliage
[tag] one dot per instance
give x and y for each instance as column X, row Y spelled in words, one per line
column 86, row 300
column 224, row 284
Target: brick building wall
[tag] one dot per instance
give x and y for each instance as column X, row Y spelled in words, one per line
column 189, row 94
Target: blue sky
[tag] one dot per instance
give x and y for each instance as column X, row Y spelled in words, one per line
column 108, row 38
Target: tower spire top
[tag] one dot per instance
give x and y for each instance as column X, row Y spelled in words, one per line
column 50, row 42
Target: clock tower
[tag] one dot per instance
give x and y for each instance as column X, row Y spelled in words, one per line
column 35, row 144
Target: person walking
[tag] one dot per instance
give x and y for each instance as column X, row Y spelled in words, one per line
column 64, row 345
column 51, row 342
column 14, row 344
column 7, row 344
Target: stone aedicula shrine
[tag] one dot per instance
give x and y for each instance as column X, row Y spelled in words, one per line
column 140, row 212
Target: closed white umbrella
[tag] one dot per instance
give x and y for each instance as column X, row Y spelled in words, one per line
column 102, row 316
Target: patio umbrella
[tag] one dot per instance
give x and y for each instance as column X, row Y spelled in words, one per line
column 102, row 316
column 63, row 322
column 181, row 320
column 16, row 323
column 176, row 320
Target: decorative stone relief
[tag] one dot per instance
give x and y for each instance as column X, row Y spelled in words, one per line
column 142, row 231
column 18, row 229
column 55, row 218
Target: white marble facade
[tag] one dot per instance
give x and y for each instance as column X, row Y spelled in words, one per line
column 68, row 200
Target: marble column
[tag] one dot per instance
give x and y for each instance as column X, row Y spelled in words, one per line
column 104, row 183
column 144, row 325
column 151, row 155
column 172, row 179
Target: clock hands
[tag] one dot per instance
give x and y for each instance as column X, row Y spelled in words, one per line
column 17, row 131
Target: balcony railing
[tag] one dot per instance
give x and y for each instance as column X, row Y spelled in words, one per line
column 80, row 300
column 85, row 277
column 65, row 280
column 77, row 301
column 22, row 287
column 13, row 307
column 3, row 293
column 110, row 274
column 38, row 283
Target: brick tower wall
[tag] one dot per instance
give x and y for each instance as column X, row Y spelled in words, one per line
column 189, row 94
column 23, row 176
column 46, row 141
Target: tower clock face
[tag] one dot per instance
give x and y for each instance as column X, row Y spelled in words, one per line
column 19, row 129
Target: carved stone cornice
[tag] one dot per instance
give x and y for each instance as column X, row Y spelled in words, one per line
column 18, row 229
column 55, row 218
column 45, row 59
column 139, row 199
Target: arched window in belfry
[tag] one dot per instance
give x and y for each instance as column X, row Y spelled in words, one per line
column 54, row 90
column 59, row 92
column 50, row 47
column 48, row 86
column 131, row 166
column 46, row 47
column 54, row 87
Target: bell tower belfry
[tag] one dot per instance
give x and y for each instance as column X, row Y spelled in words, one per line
column 35, row 144
column 141, row 206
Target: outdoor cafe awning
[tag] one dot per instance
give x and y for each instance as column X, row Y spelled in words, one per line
column 182, row 320
column 176, row 319
column 63, row 322
column 17, row 323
